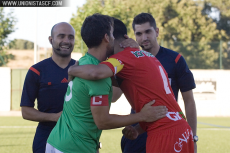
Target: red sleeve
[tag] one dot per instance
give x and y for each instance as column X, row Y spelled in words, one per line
column 109, row 65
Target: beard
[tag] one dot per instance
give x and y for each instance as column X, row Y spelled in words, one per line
column 147, row 48
column 110, row 48
column 57, row 50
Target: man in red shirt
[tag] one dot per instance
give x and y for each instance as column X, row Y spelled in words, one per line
column 142, row 78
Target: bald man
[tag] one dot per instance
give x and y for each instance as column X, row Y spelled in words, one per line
column 47, row 82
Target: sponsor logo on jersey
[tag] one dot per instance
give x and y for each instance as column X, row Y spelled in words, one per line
column 178, row 146
column 64, row 80
column 142, row 53
column 173, row 116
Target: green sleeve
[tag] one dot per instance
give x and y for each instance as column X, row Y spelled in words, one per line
column 99, row 87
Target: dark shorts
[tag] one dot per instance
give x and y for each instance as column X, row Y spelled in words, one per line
column 134, row 146
column 40, row 138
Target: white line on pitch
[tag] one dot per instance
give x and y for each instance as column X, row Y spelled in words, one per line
column 214, row 125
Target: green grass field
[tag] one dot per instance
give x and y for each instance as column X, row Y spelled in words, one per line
column 16, row 136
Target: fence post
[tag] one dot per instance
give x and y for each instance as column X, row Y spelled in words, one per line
column 220, row 56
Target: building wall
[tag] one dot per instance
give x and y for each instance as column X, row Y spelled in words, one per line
column 212, row 94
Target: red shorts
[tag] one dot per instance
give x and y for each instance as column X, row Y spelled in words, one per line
column 177, row 139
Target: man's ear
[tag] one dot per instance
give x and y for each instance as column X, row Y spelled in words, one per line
column 157, row 32
column 106, row 37
column 50, row 40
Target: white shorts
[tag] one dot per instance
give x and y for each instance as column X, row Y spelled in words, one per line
column 51, row 149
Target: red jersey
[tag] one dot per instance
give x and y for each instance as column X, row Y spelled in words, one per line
column 143, row 79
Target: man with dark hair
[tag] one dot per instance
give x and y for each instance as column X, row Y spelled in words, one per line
column 47, row 82
column 179, row 75
column 86, row 107
column 142, row 78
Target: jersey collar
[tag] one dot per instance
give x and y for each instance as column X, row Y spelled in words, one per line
column 87, row 54
column 159, row 52
column 131, row 49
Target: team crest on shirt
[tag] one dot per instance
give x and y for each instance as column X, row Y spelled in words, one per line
column 141, row 53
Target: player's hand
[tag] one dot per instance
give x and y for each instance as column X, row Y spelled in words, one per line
column 70, row 77
column 129, row 42
column 57, row 116
column 130, row 132
column 152, row 113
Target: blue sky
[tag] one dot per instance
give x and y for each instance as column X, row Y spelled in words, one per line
column 46, row 18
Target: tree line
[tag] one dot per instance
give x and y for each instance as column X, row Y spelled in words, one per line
column 199, row 30
column 21, row 44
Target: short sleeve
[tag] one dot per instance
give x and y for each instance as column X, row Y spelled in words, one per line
column 30, row 88
column 185, row 78
column 99, row 87
column 114, row 64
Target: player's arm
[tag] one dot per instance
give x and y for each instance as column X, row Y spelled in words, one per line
column 190, row 109
column 32, row 114
column 104, row 120
column 117, row 92
column 186, row 83
column 95, row 72
column 90, row 72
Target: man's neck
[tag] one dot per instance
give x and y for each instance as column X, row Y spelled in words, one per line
column 117, row 47
column 98, row 52
column 62, row 62
column 155, row 49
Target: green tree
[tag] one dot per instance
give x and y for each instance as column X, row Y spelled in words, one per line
column 108, row 7
column 182, row 24
column 190, row 32
column 221, row 16
column 7, row 23
column 222, row 13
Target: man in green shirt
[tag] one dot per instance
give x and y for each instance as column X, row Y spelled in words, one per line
column 86, row 107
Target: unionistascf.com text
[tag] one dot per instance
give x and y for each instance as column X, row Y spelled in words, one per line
column 32, row 3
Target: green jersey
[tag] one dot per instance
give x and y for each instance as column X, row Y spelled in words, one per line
column 76, row 131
